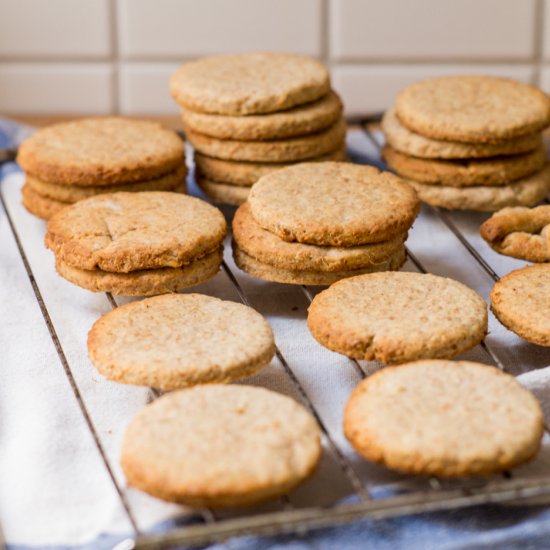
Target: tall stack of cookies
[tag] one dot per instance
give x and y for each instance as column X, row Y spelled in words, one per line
column 470, row 142
column 250, row 114
column 67, row 162
column 316, row 223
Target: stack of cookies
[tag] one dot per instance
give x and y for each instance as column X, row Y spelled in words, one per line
column 137, row 244
column 250, row 114
column 470, row 142
column 67, row 162
column 316, row 223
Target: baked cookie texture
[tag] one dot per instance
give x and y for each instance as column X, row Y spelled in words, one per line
column 220, row 446
column 527, row 191
column 39, row 205
column 400, row 138
column 333, row 204
column 398, row 317
column 520, row 301
column 466, row 172
column 520, row 232
column 474, row 109
column 281, row 150
column 178, row 340
column 444, row 418
column 124, row 232
column 101, row 152
column 223, row 193
column 248, row 173
column 250, row 83
column 303, row 119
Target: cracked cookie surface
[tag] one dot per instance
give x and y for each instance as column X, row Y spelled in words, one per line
column 398, row 317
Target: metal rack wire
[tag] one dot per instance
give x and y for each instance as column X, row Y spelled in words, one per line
column 434, row 495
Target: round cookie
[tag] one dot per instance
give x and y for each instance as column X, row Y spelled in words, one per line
column 248, row 173
column 486, row 198
column 399, row 137
column 124, row 232
column 333, row 204
column 250, row 83
column 444, row 418
column 520, row 232
column 220, row 446
column 69, row 193
column 398, row 317
column 475, row 109
column 179, row 340
column 520, row 301
column 301, row 120
column 267, row 248
column 466, row 172
column 39, row 206
column 223, row 193
column 281, row 150
column 146, row 282
column 275, row 274
column 101, row 151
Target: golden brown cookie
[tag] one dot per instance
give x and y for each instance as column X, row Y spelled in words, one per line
column 399, row 137
column 179, row 340
column 101, row 151
column 333, row 204
column 520, row 232
column 475, row 109
column 398, row 317
column 39, row 206
column 521, row 302
column 123, row 232
column 298, row 121
column 220, row 445
column 280, row 150
column 466, row 172
column 486, row 198
column 223, row 193
column 275, row 274
column 146, row 282
column 71, row 193
column 267, row 248
column 248, row 173
column 444, row 418
column 249, row 83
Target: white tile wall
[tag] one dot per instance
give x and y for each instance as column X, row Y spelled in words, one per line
column 101, row 56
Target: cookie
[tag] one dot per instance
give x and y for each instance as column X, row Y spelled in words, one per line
column 280, row 150
column 400, row 138
column 223, row 193
column 179, row 340
column 123, row 232
column 250, row 83
column 304, row 119
column 101, row 151
column 520, row 232
column 39, row 206
column 275, row 274
column 486, row 198
column 444, row 418
column 248, row 173
column 475, row 109
column 146, row 282
column 466, row 172
column 220, row 446
column 267, row 248
column 333, row 204
column 520, row 301
column 69, row 193
column 398, row 317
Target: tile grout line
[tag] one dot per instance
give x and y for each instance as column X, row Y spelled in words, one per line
column 68, row 371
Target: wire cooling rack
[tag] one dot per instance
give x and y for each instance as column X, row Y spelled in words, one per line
column 344, row 488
